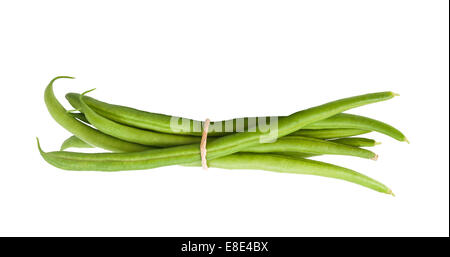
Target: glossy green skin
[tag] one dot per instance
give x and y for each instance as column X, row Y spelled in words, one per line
column 329, row 133
column 160, row 122
column 299, row 145
column 351, row 121
column 310, row 146
column 74, row 142
column 83, row 131
column 350, row 141
column 356, row 141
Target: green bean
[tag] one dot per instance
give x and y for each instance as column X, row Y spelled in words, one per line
column 307, row 146
column 284, row 164
column 74, row 142
column 350, row 141
column 82, row 131
column 350, row 121
column 122, row 161
column 329, row 133
column 356, row 141
column 301, row 146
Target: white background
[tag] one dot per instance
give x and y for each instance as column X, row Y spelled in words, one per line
column 224, row 59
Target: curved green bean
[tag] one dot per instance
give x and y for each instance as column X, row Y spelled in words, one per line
column 81, row 130
column 74, row 142
column 285, row 164
column 351, row 121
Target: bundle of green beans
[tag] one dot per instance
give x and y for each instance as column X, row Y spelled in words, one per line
column 138, row 140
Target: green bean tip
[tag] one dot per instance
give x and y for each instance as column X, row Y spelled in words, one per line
column 377, row 143
column 88, row 91
column 39, row 145
column 406, row 140
column 375, row 157
column 391, row 193
column 395, row 94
